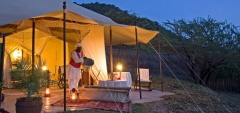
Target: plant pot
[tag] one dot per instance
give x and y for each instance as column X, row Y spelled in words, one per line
column 26, row 105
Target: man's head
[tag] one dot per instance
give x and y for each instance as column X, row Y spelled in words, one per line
column 79, row 47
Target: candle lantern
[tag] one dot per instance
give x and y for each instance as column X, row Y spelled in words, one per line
column 47, row 92
column 73, row 95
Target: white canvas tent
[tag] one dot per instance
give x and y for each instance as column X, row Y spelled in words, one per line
column 16, row 19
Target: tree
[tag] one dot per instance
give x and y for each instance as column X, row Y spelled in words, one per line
column 206, row 44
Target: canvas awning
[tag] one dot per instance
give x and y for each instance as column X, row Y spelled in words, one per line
column 123, row 34
column 16, row 16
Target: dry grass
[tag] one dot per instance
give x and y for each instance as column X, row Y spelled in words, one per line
column 201, row 99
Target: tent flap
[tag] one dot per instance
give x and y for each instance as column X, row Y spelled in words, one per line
column 126, row 35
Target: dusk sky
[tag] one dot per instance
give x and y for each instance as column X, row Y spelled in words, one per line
column 163, row 10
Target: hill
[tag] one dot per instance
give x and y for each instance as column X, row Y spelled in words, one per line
column 120, row 16
column 128, row 18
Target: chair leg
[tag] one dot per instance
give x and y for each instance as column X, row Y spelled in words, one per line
column 60, row 84
column 135, row 85
column 149, row 86
column 80, row 83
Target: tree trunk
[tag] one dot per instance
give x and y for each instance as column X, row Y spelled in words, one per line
column 207, row 71
column 192, row 67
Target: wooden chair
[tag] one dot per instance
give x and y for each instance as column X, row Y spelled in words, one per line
column 61, row 76
column 144, row 78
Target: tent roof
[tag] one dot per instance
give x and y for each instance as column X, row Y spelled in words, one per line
column 15, row 10
column 16, row 16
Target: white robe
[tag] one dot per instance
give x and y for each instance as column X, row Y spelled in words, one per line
column 74, row 74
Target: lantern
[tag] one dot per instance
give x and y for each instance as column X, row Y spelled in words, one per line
column 47, row 92
column 44, row 67
column 17, row 54
column 46, row 72
column 73, row 94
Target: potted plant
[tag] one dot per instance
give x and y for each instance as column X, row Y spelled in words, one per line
column 31, row 83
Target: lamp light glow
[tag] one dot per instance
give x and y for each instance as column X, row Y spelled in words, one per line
column 44, row 68
column 73, row 94
column 47, row 92
column 17, row 54
column 119, row 67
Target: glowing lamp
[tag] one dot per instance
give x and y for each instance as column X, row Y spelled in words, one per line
column 73, row 94
column 44, row 68
column 119, row 68
column 47, row 92
column 17, row 54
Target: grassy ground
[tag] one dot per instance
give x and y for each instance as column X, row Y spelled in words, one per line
column 194, row 99
column 201, row 99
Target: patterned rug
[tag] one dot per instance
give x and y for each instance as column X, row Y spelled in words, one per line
column 95, row 104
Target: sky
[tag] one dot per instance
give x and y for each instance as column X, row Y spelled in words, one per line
column 163, row 10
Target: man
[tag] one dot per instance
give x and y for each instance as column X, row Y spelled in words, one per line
column 74, row 71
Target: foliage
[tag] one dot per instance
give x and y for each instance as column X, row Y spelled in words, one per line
column 206, row 44
column 30, row 81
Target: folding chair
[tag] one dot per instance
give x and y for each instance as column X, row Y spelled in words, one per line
column 144, row 78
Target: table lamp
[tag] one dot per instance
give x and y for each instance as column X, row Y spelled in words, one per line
column 119, row 68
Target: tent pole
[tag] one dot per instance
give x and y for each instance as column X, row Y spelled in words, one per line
column 2, row 66
column 111, row 54
column 160, row 64
column 2, row 71
column 33, row 43
column 160, row 59
column 64, row 52
column 138, row 73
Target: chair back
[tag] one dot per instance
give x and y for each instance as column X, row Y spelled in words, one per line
column 144, row 74
column 61, row 69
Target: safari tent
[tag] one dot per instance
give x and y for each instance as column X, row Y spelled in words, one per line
column 21, row 21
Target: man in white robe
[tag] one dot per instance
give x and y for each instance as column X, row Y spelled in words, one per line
column 74, row 71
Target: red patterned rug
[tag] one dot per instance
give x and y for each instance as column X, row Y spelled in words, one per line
column 95, row 104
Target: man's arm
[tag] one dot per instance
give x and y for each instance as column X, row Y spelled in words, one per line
column 75, row 57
